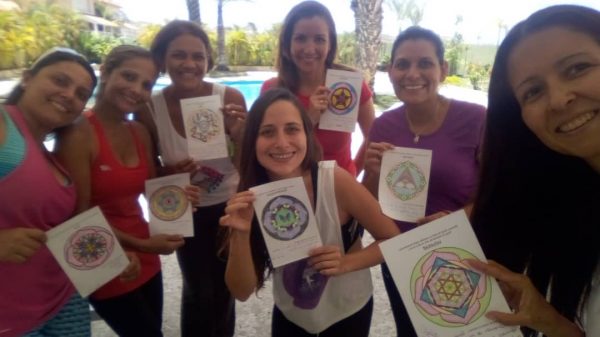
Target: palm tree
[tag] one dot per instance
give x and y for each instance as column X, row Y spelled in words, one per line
column 193, row 7
column 412, row 10
column 221, row 55
column 368, row 17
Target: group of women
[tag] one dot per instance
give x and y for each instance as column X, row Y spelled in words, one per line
column 542, row 126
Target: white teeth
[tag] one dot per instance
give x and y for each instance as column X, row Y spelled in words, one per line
column 59, row 106
column 413, row 87
column 281, row 155
column 577, row 122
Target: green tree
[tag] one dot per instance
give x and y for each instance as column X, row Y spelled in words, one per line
column 95, row 47
column 347, row 49
column 455, row 49
column 239, row 48
column 265, row 46
column 147, row 34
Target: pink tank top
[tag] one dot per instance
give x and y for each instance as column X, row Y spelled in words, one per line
column 116, row 189
column 31, row 196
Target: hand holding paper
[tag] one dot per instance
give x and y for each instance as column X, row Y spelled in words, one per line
column 239, row 212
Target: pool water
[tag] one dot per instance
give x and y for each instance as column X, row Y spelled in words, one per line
column 250, row 89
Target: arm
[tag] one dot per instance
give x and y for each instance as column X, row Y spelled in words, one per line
column 18, row 245
column 75, row 151
column 240, row 273
column 366, row 116
column 354, row 200
column 530, row 307
column 234, row 112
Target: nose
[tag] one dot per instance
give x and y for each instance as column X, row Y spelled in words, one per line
column 559, row 95
column 412, row 72
column 281, row 139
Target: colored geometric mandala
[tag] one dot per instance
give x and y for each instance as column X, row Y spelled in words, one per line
column 342, row 98
column 168, row 203
column 88, row 248
column 446, row 291
column 285, row 217
column 204, row 125
column 406, row 180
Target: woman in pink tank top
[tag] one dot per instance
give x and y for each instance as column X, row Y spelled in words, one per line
column 37, row 195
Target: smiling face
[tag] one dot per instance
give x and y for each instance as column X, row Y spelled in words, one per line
column 416, row 72
column 130, row 84
column 56, row 94
column 186, row 61
column 281, row 143
column 310, row 44
column 555, row 76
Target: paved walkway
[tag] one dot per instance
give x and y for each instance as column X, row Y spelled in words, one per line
column 254, row 315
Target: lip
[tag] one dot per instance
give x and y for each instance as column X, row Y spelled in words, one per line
column 577, row 122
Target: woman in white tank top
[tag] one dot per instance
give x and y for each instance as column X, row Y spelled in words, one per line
column 182, row 50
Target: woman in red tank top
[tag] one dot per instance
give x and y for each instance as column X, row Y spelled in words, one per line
column 110, row 158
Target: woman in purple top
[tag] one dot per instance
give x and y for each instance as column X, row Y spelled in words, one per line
column 451, row 129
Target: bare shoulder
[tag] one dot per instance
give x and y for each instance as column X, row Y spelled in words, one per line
column 79, row 131
column 344, row 181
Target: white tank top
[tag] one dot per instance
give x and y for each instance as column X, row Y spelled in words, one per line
column 218, row 178
column 309, row 299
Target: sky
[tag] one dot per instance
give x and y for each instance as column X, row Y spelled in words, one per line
column 479, row 25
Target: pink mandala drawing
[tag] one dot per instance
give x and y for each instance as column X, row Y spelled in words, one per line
column 89, row 248
column 446, row 291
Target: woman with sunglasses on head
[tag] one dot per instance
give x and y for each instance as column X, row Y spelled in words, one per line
column 37, row 194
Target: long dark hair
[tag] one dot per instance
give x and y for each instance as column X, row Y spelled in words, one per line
column 50, row 57
column 252, row 173
column 287, row 70
column 536, row 209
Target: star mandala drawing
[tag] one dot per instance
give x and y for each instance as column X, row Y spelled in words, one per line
column 446, row 291
column 342, row 99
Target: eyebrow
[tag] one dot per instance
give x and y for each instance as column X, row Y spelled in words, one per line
column 558, row 64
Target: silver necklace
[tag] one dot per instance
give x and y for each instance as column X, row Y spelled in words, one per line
column 417, row 133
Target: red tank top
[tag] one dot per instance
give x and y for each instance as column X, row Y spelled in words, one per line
column 116, row 189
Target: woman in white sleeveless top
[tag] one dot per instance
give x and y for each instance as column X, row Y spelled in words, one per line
column 330, row 293
column 182, row 50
